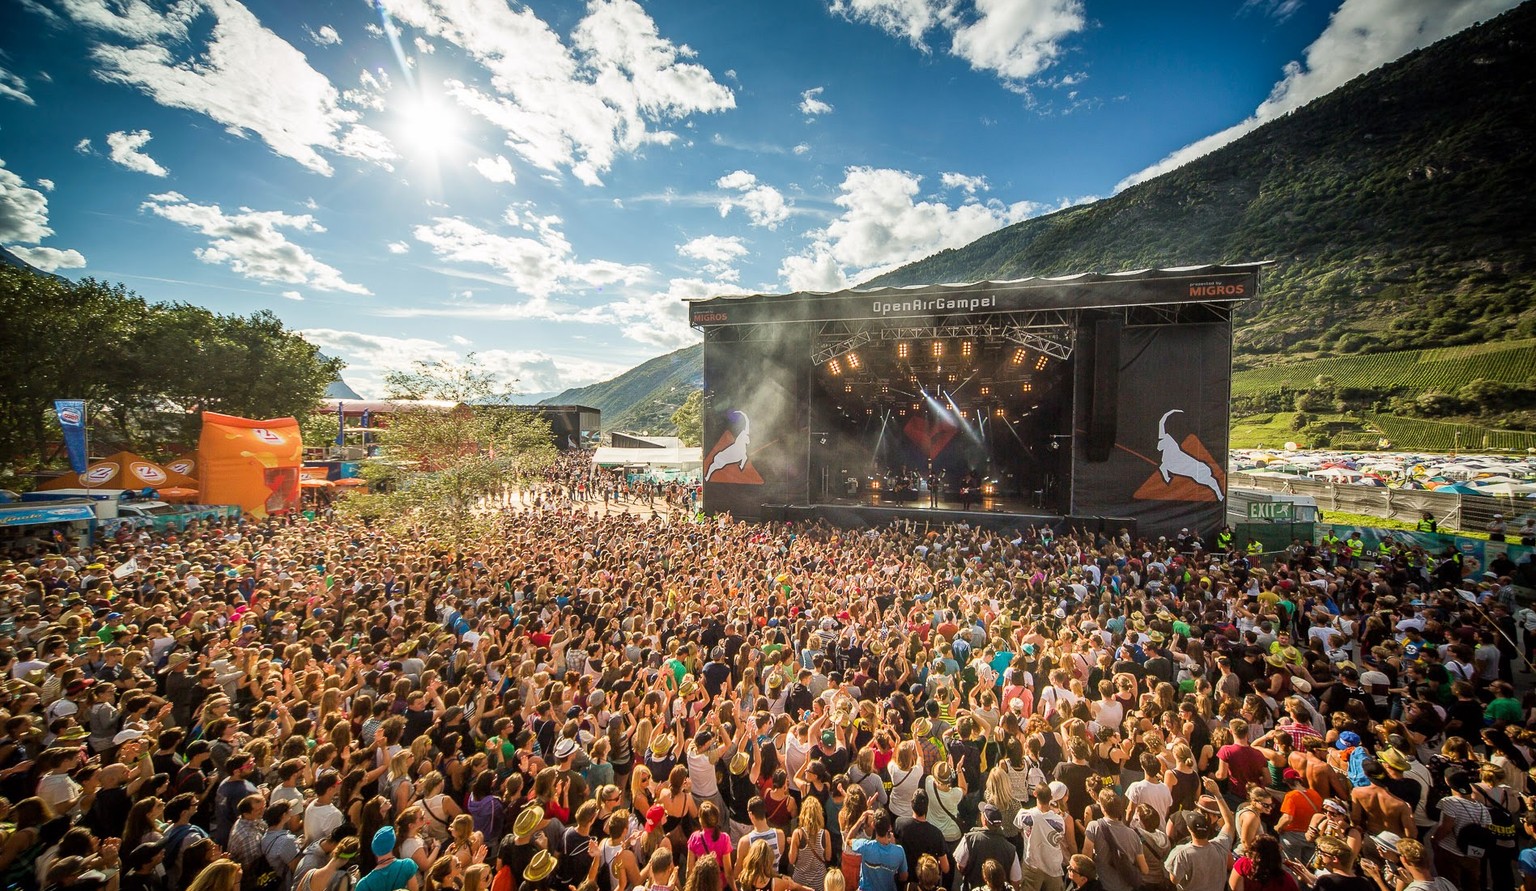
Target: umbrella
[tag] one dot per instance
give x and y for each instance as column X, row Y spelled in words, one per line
column 352, row 481
column 177, row 493
column 316, row 484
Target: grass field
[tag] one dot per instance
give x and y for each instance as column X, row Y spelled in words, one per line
column 1273, row 431
column 1446, row 370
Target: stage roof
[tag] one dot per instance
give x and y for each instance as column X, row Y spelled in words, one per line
column 1230, row 283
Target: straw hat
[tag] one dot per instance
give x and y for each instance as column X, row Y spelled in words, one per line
column 1275, row 659
column 740, row 762
column 539, row 868
column 921, row 727
column 688, row 688
column 661, row 744
column 1301, row 685
column 528, row 821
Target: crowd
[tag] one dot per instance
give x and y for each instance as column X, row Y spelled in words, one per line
column 596, row 702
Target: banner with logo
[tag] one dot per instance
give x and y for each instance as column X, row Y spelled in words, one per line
column 124, row 470
column 755, row 422
column 71, row 414
column 1168, row 465
column 249, row 463
column 1476, row 553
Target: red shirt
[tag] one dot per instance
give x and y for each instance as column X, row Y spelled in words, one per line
column 1245, row 765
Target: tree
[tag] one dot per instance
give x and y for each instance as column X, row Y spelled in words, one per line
column 689, row 419
column 146, row 369
column 440, row 461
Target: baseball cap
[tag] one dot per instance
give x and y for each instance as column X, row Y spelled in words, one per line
column 1346, row 739
column 126, row 736
column 383, row 841
column 1058, row 790
column 991, row 814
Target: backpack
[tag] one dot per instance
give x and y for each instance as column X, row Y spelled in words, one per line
column 1120, row 860
column 1356, row 768
column 1503, row 825
column 260, row 875
column 1475, row 840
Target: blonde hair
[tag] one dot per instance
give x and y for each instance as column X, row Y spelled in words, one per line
column 220, row 875
column 906, row 755
column 813, row 820
column 758, row 865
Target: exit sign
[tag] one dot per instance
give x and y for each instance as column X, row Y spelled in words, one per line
column 1270, row 510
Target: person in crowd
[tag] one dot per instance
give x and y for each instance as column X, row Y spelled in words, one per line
column 590, row 700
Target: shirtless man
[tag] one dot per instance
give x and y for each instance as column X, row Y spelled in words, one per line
column 1377, row 809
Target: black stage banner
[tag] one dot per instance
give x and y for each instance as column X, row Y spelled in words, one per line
column 1168, row 464
column 897, row 304
column 755, row 433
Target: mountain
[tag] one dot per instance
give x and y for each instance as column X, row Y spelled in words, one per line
column 642, row 398
column 1396, row 209
column 9, row 259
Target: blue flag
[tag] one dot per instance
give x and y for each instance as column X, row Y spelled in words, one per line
column 71, row 414
column 341, row 424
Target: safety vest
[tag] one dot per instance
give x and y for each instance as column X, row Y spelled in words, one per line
column 1356, row 546
column 1385, row 549
column 1255, row 548
column 1224, row 541
column 1425, row 526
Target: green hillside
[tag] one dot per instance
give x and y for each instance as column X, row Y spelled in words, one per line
column 1408, row 371
column 643, row 398
column 1396, row 210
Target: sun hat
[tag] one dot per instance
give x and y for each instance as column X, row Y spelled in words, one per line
column 1387, row 841
column 528, row 821
column 539, row 868
column 1393, row 759
column 740, row 762
column 661, row 744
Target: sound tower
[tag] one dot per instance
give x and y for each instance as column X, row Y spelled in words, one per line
column 1104, row 389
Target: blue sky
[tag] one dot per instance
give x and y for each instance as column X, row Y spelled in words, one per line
column 542, row 184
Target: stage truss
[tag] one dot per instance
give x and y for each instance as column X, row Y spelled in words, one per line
column 1044, row 331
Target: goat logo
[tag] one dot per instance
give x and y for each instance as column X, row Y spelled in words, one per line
column 728, row 461
column 1185, row 470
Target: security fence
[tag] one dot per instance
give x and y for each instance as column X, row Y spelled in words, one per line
column 1452, row 512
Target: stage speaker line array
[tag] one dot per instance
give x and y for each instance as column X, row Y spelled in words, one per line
column 1104, row 393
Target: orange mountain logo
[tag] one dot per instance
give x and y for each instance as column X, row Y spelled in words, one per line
column 728, row 461
column 1185, row 471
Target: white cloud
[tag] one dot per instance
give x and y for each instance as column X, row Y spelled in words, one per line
column 802, row 148
column 45, row 184
column 252, row 242
column 1279, row 10
column 49, row 259
column 497, row 169
column 971, row 184
column 764, row 205
column 811, row 102
column 425, row 47
column 370, row 357
column 883, row 225
column 326, row 36
column 127, row 149
column 398, row 247
column 571, row 107
column 84, row 147
column 717, row 253
column 1012, row 39
column 1362, row 35
column 13, row 87
column 293, row 295
column 538, row 261
column 23, row 210
column 370, row 91
column 244, row 76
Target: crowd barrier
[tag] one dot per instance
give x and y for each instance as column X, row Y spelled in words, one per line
column 1451, row 511
column 1476, row 553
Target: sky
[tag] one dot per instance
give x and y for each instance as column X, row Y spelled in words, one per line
column 542, row 184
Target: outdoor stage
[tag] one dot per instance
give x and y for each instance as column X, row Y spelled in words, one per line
column 999, row 515
column 1092, row 396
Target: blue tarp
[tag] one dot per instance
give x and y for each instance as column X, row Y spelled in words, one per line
column 33, row 516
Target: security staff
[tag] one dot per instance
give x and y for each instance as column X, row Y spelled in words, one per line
column 1427, row 523
column 1255, row 548
column 1224, row 540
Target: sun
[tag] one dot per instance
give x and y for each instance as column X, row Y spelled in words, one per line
column 429, row 124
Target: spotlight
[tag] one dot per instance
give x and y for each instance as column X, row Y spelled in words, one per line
column 966, row 348
column 1055, row 445
column 869, row 411
column 938, row 349
column 835, row 368
column 1028, row 387
column 1018, row 356
column 1040, row 363
column 986, row 390
column 847, row 388
column 854, row 362
column 953, row 377
column 999, row 412
column 903, row 350
column 885, row 389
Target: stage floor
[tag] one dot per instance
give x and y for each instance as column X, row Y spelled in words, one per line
column 987, row 504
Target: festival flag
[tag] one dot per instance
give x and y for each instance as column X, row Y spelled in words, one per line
column 71, row 414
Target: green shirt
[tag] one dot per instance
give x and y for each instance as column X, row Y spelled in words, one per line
column 1504, row 710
